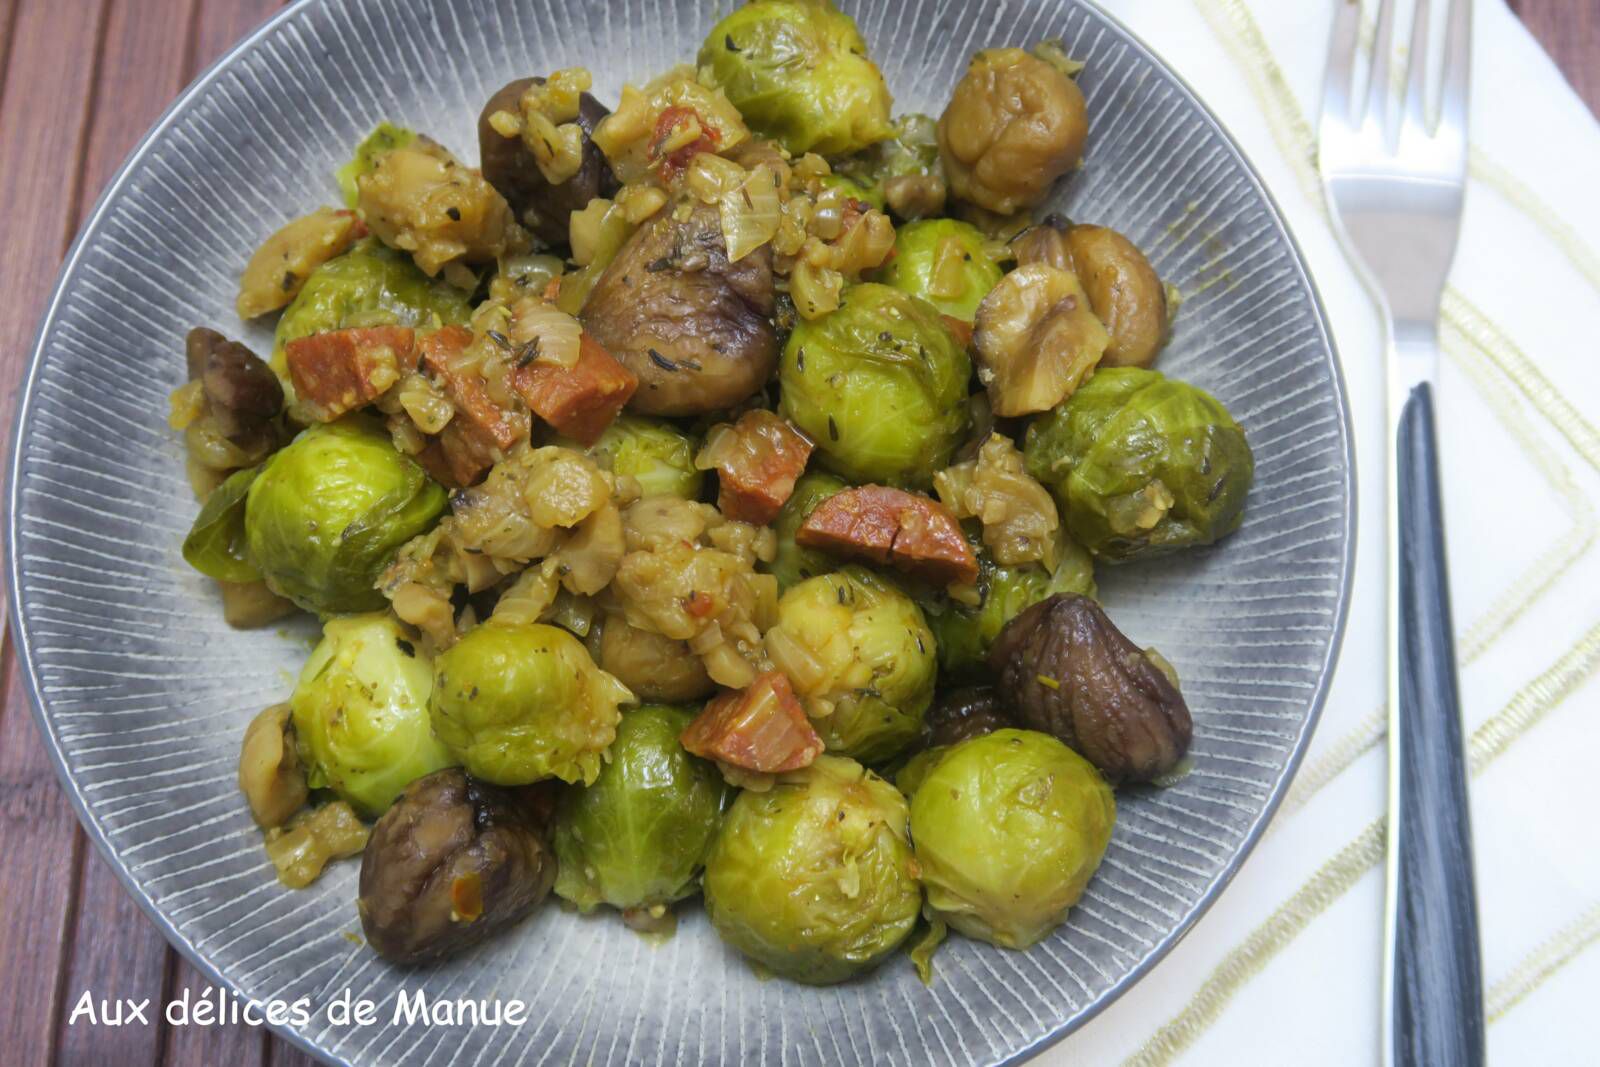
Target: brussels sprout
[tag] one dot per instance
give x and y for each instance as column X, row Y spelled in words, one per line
column 328, row 512
column 386, row 137
column 216, row 543
column 944, row 262
column 636, row 838
column 361, row 713
column 1141, row 464
column 908, row 159
column 521, row 702
column 1008, row 828
column 798, row 72
column 880, row 385
column 370, row 285
column 869, row 194
column 814, row 878
column 861, row 659
column 792, row 564
column 965, row 631
column 655, row 453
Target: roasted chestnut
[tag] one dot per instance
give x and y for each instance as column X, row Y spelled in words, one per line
column 1065, row 669
column 453, row 862
column 964, row 713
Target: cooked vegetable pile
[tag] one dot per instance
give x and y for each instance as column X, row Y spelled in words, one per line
column 704, row 495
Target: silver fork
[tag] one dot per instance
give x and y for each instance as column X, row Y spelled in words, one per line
column 1395, row 186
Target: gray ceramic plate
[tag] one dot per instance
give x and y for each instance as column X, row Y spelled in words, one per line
column 143, row 692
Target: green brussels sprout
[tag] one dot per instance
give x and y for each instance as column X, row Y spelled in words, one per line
column 216, row 545
column 814, row 879
column 964, row 631
column 361, row 713
column 637, row 837
column 655, row 453
column 328, row 512
column 944, row 262
column 792, row 564
column 1008, row 827
column 521, row 702
column 370, row 285
column 861, row 659
column 798, row 72
column 1142, row 464
column 881, row 386
column 385, row 138
column 870, row 194
column 911, row 150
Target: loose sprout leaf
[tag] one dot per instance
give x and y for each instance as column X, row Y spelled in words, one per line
column 216, row 543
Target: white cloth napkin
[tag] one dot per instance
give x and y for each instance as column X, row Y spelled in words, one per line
column 1285, row 967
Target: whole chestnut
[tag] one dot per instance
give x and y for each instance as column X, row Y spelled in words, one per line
column 1065, row 669
column 452, row 862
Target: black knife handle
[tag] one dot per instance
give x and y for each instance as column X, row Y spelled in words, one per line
column 1437, row 1011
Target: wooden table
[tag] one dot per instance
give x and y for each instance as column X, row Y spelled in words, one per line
column 82, row 81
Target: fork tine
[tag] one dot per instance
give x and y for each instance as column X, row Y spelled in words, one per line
column 1382, row 54
column 1339, row 81
column 1416, row 101
column 1457, row 67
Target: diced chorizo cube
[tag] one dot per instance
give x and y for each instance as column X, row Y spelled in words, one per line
column 338, row 371
column 761, row 727
column 757, row 461
column 441, row 353
column 884, row 525
column 581, row 400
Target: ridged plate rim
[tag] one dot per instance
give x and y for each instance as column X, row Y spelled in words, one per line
column 97, row 833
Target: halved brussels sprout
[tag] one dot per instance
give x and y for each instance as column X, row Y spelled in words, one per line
column 361, row 713
column 521, row 702
column 798, row 72
column 370, row 285
column 792, row 564
column 965, row 631
column 328, row 512
column 1142, row 464
column 861, row 658
column 814, row 879
column 637, row 837
column 653, row 452
column 880, row 385
column 1008, row 829
column 945, row 263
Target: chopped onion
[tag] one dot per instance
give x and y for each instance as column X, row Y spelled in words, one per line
column 545, row 332
column 751, row 213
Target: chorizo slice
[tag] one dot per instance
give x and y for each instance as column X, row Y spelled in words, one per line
column 581, row 400
column 338, row 371
column 441, row 352
column 757, row 461
column 761, row 727
column 884, row 525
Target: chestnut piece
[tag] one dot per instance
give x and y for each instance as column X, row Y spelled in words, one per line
column 1065, row 669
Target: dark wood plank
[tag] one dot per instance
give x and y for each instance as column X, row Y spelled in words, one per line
column 209, row 1045
column 115, row 951
column 1570, row 31
column 44, row 114
column 283, row 1054
column 221, row 23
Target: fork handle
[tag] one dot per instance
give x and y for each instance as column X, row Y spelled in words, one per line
column 1436, row 987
